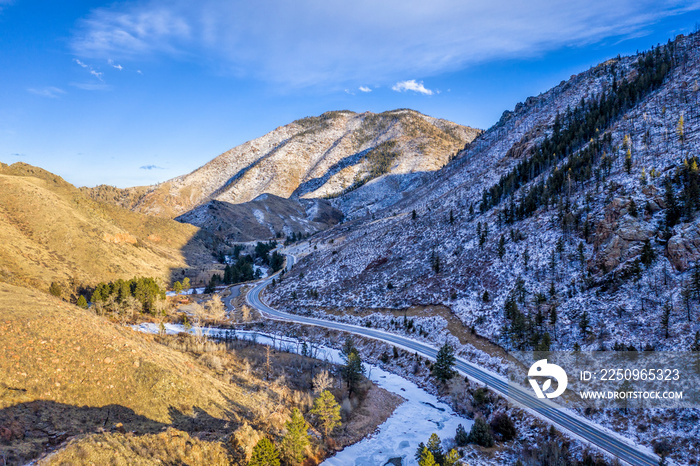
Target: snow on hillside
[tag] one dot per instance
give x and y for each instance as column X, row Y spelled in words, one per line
column 600, row 255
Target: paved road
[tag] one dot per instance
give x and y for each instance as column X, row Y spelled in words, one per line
column 590, row 432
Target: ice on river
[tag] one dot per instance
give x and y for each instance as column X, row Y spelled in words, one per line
column 398, row 437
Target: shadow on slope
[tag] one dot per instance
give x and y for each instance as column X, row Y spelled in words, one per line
column 27, row 430
column 264, row 218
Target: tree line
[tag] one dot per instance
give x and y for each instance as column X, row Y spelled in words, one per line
column 574, row 129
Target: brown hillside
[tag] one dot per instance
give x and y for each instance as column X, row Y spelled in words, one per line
column 69, row 376
column 50, row 231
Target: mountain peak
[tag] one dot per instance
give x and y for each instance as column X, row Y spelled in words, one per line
column 318, row 156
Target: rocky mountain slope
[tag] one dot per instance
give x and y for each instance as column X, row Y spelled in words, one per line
column 571, row 223
column 583, row 200
column 51, row 232
column 265, row 217
column 314, row 157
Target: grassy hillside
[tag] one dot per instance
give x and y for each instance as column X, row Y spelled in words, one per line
column 66, row 371
column 50, row 231
column 70, row 377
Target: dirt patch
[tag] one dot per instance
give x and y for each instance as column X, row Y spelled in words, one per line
column 376, row 408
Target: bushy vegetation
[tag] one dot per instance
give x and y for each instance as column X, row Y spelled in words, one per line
column 240, row 271
column 143, row 292
column 685, row 182
column 433, row 453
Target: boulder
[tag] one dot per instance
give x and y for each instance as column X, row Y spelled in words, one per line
column 619, row 236
column 683, row 248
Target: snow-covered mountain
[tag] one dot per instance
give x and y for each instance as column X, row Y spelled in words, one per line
column 582, row 201
column 264, row 218
column 314, row 157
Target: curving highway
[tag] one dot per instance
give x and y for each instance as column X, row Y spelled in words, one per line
column 587, row 431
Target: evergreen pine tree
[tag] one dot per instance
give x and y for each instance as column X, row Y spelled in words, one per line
column 553, row 319
column 419, row 451
column 434, row 446
column 673, row 211
column 353, row 370
column 666, row 318
column 584, row 325
column 501, row 247
column 177, row 287
column 461, row 437
column 55, row 289
column 452, row 458
column 427, row 459
column 82, row 302
column 265, row 453
column 648, row 254
column 526, row 257
column 480, row 433
column 444, row 363
column 328, row 412
column 296, row 439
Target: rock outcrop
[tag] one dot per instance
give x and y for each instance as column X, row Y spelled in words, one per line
column 683, row 248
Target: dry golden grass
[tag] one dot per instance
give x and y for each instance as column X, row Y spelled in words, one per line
column 50, row 231
column 65, row 370
column 66, row 373
column 170, row 447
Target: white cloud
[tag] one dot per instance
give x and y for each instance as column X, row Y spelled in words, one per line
column 92, row 86
column 111, row 63
column 50, row 92
column 411, row 85
column 91, row 70
column 309, row 42
column 364, row 89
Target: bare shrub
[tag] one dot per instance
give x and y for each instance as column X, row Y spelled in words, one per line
column 322, row 381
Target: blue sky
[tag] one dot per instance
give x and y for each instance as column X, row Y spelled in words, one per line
column 132, row 93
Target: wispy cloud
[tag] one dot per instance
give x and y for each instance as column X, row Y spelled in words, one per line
column 49, row 91
column 151, row 167
column 308, row 42
column 5, row 3
column 115, row 65
column 89, row 68
column 92, row 86
column 17, row 154
column 365, row 89
column 411, row 85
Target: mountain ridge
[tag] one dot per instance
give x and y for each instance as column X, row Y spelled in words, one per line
column 312, row 157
